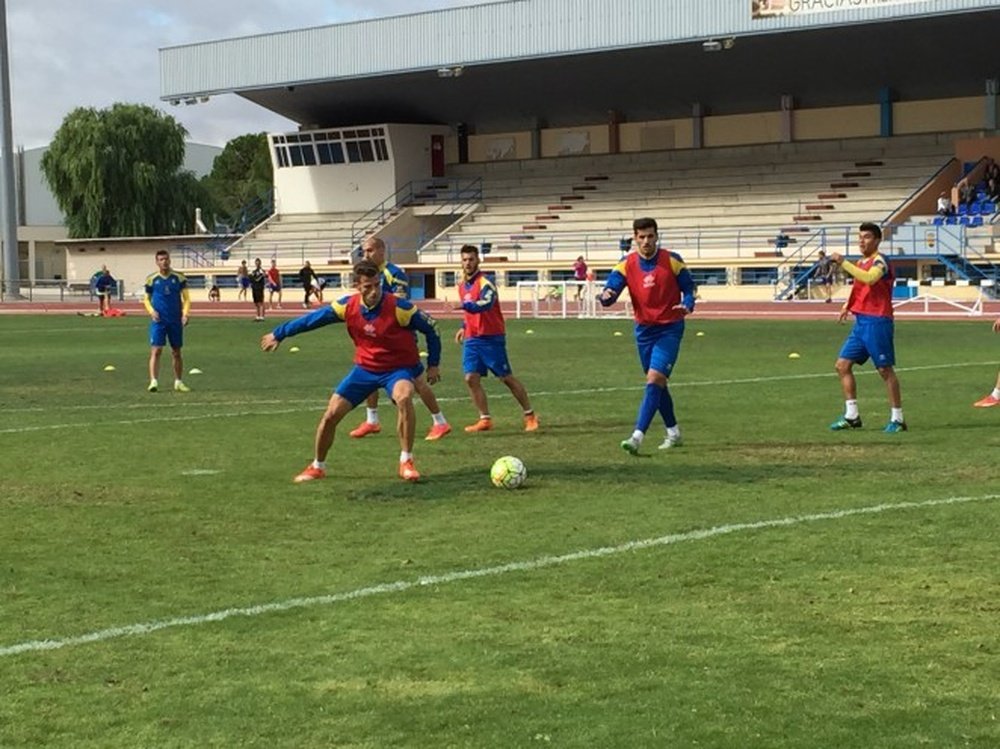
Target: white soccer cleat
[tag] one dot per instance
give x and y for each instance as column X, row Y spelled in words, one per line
column 669, row 442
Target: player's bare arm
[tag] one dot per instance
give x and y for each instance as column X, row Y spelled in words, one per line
column 268, row 342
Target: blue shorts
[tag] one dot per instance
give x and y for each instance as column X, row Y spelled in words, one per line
column 871, row 337
column 360, row 382
column 244, row 282
column 488, row 354
column 273, row 287
column 161, row 332
column 659, row 346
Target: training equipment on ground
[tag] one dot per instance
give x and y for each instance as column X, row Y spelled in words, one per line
column 700, row 333
column 293, row 350
column 109, row 368
column 195, row 371
column 508, row 472
column 793, row 355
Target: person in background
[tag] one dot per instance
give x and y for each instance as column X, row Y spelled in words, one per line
column 872, row 335
column 663, row 294
column 258, row 279
column 104, row 287
column 580, row 275
column 944, row 207
column 168, row 303
column 823, row 275
column 383, row 328
column 273, row 284
column 394, row 282
column 308, row 279
column 993, row 399
column 214, row 295
column 483, row 334
column 242, row 280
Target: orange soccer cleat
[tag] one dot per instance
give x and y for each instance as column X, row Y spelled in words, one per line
column 483, row 425
column 365, row 429
column 987, row 402
column 531, row 422
column 437, row 432
column 408, row 472
column 310, row 474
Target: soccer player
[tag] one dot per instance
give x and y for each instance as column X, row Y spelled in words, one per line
column 104, row 286
column 168, row 303
column 662, row 293
column 273, row 284
column 871, row 337
column 258, row 280
column 993, row 399
column 483, row 334
column 383, row 330
column 394, row 282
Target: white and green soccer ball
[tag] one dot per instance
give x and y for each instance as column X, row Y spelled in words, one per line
column 508, row 472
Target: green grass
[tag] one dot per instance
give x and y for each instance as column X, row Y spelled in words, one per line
column 862, row 629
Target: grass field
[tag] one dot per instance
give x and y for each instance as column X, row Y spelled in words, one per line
column 769, row 584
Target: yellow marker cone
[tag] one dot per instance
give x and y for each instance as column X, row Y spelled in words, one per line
column 700, row 333
column 793, row 355
column 109, row 368
column 293, row 350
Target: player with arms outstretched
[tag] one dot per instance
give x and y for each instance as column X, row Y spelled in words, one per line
column 394, row 282
column 386, row 356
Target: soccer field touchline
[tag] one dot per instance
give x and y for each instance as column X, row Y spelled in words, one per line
column 145, row 628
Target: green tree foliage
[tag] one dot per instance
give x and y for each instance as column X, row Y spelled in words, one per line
column 117, row 173
column 241, row 174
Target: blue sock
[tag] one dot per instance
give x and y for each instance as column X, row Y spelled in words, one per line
column 667, row 409
column 647, row 409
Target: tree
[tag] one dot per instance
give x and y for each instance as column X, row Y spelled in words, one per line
column 241, row 174
column 117, row 173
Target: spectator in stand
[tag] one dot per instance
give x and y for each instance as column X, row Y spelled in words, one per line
column 104, row 287
column 258, row 279
column 991, row 176
column 993, row 399
column 580, row 275
column 944, row 206
column 308, row 279
column 966, row 192
column 242, row 280
column 274, row 284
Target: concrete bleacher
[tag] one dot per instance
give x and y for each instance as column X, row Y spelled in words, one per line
column 718, row 203
column 294, row 238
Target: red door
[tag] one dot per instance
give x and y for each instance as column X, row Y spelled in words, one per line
column 437, row 155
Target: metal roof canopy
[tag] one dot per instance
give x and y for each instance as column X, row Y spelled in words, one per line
column 922, row 57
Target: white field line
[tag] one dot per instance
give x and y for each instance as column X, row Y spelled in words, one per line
column 400, row 586
column 257, row 411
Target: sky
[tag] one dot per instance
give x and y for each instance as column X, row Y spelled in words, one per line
column 66, row 54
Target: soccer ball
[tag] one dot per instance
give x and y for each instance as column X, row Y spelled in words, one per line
column 508, row 472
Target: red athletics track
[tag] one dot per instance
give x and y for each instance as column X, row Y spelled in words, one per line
column 445, row 310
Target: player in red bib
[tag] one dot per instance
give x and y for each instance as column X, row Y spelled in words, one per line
column 872, row 335
column 483, row 336
column 385, row 356
column 662, row 293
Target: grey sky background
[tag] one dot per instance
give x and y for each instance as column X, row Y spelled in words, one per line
column 66, row 54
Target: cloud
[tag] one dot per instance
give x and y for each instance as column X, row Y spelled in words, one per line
column 66, row 54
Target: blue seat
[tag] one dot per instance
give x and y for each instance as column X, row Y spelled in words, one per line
column 976, row 221
column 939, row 221
column 951, row 220
column 987, row 208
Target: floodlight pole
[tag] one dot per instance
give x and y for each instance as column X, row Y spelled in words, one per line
column 11, row 270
